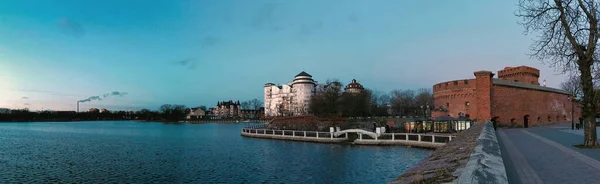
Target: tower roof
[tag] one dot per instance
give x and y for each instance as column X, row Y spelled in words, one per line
column 354, row 84
column 303, row 74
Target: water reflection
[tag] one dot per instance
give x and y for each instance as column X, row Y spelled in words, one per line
column 101, row 152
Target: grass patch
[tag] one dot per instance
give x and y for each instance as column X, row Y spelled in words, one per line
column 581, row 146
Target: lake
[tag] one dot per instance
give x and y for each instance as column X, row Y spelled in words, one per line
column 135, row 152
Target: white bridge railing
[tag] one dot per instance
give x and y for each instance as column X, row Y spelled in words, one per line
column 433, row 138
column 393, row 137
column 291, row 133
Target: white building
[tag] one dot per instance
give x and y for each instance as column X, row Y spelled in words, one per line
column 292, row 98
column 196, row 113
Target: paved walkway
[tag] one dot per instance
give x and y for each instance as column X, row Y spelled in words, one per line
column 546, row 155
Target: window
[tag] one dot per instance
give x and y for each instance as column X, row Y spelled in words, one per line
column 447, row 104
column 467, row 104
column 516, row 80
column 466, row 81
column 455, row 82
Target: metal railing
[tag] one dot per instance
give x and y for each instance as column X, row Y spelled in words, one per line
column 433, row 138
column 291, row 133
column 430, row 138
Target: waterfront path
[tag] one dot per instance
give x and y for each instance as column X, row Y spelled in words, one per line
column 547, row 155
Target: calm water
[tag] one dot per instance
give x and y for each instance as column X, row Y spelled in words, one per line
column 133, row 152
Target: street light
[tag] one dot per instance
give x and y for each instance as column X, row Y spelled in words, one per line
column 571, row 99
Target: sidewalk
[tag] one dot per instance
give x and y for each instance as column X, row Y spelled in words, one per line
column 546, row 155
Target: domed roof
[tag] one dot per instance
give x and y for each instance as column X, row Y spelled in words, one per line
column 303, row 74
column 354, row 84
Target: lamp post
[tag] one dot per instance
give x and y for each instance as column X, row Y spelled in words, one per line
column 571, row 99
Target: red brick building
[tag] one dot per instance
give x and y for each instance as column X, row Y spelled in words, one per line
column 515, row 98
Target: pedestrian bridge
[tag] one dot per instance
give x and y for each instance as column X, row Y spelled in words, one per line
column 361, row 131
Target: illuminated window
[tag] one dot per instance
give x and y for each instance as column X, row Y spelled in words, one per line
column 467, row 104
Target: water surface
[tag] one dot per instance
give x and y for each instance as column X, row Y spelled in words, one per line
column 134, row 152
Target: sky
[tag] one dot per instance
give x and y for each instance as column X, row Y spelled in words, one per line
column 54, row 53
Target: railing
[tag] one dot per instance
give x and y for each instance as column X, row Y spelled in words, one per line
column 433, row 138
column 394, row 137
column 259, row 130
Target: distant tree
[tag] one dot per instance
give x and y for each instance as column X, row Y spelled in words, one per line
column 573, row 86
column 245, row 105
column 403, row 102
column 172, row 112
column 567, row 35
column 203, row 108
column 255, row 104
column 424, row 97
column 328, row 101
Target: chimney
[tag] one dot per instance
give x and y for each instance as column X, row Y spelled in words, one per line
column 77, row 106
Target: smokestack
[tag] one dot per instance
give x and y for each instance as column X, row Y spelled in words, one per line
column 77, row 106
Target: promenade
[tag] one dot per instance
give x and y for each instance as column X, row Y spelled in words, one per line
column 546, row 155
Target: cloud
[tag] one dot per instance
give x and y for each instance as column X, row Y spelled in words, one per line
column 70, row 27
column 26, row 104
column 188, row 63
column 210, row 41
column 264, row 16
column 353, row 17
column 24, row 98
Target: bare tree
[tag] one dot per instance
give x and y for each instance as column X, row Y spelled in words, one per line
column 568, row 38
column 245, row 105
column 403, row 102
column 573, row 86
column 424, row 97
column 255, row 104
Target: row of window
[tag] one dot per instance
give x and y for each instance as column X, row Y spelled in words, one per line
column 466, row 104
column 539, row 119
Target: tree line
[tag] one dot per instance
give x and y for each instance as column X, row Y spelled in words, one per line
column 333, row 101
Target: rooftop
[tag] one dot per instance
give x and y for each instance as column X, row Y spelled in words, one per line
column 303, row 74
column 503, row 82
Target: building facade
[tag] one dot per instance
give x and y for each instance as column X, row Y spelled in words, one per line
column 252, row 113
column 294, row 98
column 226, row 109
column 515, row 98
column 354, row 87
column 196, row 113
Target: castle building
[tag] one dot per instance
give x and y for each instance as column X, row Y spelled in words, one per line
column 226, row 109
column 294, row 98
column 515, row 99
column 354, row 87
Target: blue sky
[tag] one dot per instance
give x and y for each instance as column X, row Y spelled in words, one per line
column 197, row 52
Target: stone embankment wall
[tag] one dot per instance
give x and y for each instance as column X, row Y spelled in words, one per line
column 485, row 163
column 473, row 155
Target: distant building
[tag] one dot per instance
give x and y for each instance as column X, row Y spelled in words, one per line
column 103, row 110
column 354, row 87
column 196, row 113
column 252, row 114
column 294, row 98
column 226, row 109
column 96, row 110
